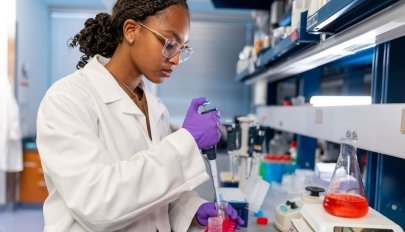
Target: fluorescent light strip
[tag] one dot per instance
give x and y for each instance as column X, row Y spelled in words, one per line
column 340, row 100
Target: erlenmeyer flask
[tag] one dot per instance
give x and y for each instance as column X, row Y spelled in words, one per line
column 345, row 196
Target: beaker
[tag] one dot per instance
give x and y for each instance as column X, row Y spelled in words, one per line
column 345, row 196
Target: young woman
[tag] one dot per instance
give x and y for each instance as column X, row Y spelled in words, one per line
column 110, row 160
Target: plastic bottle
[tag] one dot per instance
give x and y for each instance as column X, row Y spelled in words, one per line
column 293, row 151
column 278, row 144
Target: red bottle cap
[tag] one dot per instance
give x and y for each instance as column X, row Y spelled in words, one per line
column 286, row 158
column 262, row 220
column 278, row 158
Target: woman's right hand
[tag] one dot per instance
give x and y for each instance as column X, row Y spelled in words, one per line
column 203, row 127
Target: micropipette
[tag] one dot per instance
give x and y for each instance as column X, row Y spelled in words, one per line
column 211, row 155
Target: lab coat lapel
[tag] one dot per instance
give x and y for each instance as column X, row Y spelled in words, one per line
column 108, row 88
column 112, row 94
column 155, row 110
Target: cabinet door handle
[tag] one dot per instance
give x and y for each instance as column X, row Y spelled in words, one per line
column 30, row 164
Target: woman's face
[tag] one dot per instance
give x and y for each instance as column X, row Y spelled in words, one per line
column 172, row 23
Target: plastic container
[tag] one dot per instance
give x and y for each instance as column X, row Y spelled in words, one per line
column 262, row 221
column 298, row 7
column 278, row 145
column 293, row 151
column 273, row 167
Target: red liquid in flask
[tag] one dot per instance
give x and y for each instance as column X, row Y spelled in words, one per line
column 345, row 205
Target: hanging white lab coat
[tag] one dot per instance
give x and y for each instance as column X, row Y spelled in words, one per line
column 10, row 130
column 102, row 171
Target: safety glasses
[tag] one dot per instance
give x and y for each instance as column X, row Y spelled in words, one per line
column 171, row 47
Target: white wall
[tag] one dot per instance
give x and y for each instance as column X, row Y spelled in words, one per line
column 33, row 56
column 63, row 26
column 210, row 71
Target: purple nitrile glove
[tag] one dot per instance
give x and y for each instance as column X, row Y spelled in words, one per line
column 232, row 214
column 209, row 209
column 205, row 211
column 203, row 127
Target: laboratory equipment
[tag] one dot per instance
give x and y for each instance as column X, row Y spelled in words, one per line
column 234, row 137
column 293, row 151
column 249, row 146
column 214, row 224
column 262, row 220
column 291, row 209
column 245, row 139
column 238, row 148
column 346, row 196
column 316, row 219
column 278, row 145
column 211, row 155
column 257, row 134
column 237, row 199
column 273, row 167
column 222, row 222
column 324, row 173
column 245, row 143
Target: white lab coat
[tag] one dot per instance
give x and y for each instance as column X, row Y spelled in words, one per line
column 102, row 171
column 10, row 130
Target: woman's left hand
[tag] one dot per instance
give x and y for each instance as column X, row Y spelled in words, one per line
column 209, row 209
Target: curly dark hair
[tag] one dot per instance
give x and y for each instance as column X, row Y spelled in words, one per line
column 102, row 34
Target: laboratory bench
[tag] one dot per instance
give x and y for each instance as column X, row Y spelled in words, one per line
column 259, row 228
column 274, row 196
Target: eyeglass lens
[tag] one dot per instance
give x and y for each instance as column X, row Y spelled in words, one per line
column 172, row 48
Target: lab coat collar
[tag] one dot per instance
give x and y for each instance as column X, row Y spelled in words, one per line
column 107, row 87
column 111, row 93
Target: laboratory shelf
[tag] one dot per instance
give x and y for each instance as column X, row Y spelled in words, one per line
column 248, row 72
column 363, row 58
column 337, row 15
column 287, row 46
column 380, row 127
column 385, row 25
column 297, row 41
column 284, row 48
